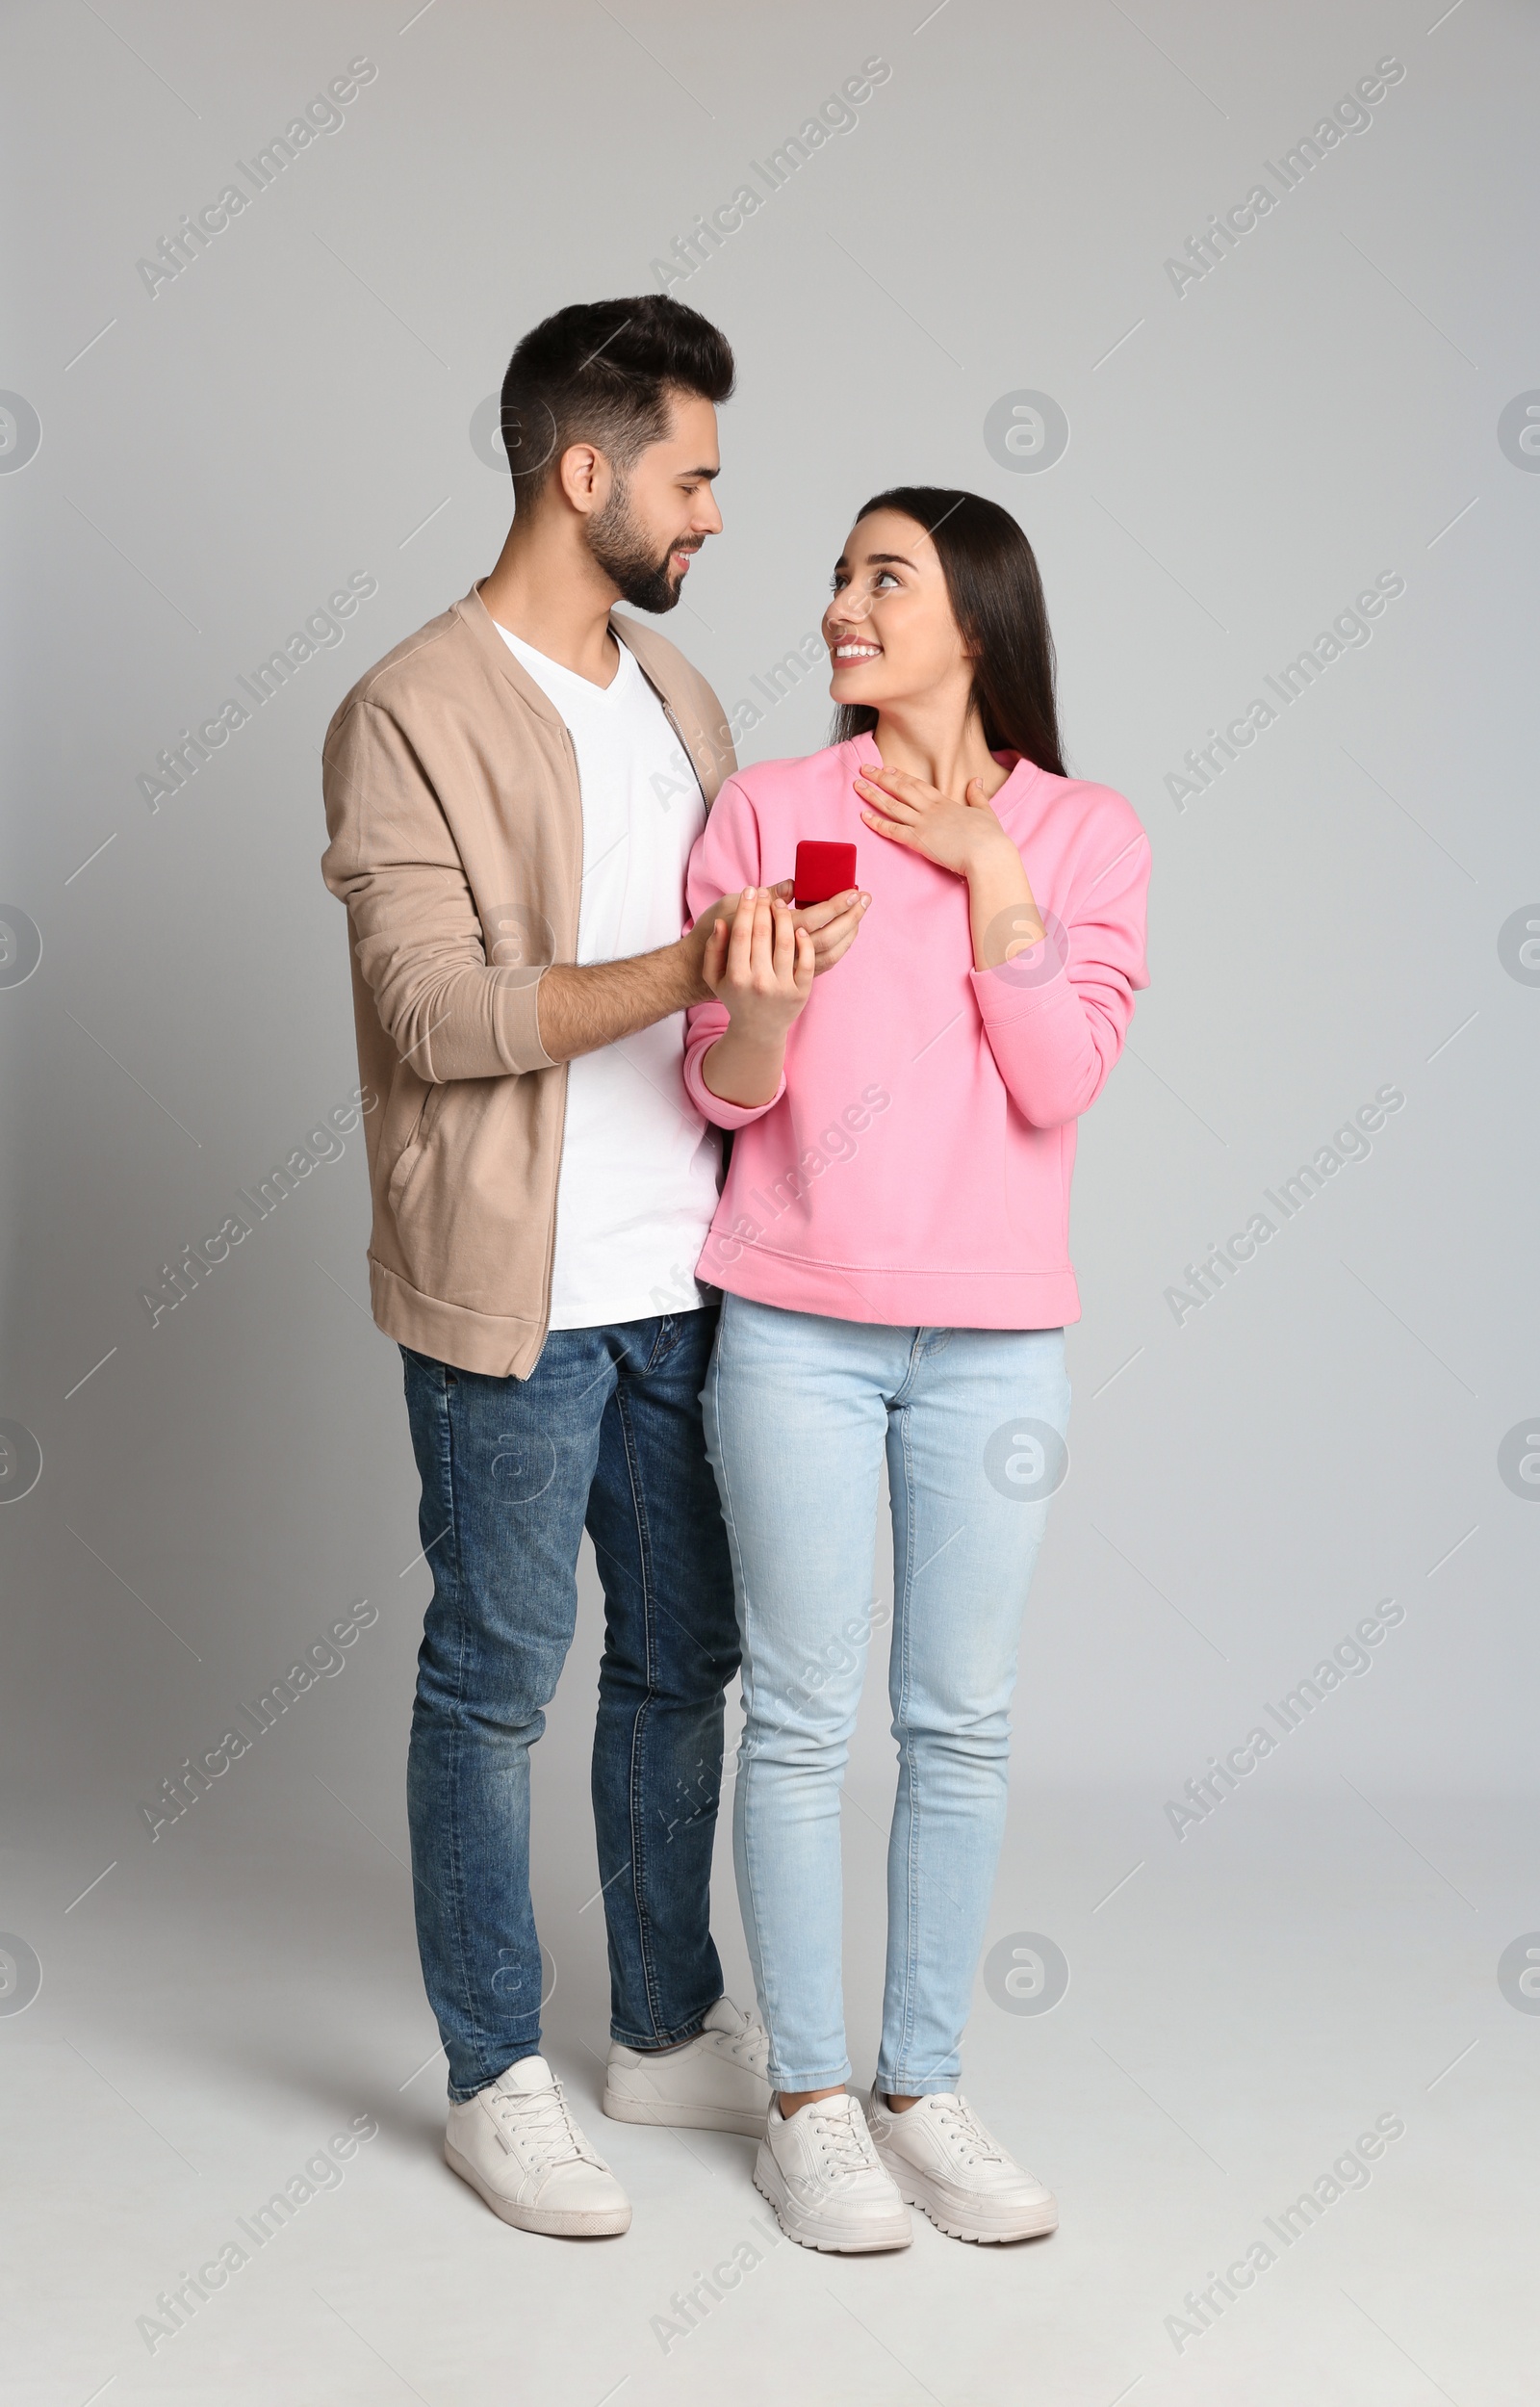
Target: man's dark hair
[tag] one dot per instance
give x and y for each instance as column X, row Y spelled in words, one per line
column 602, row 372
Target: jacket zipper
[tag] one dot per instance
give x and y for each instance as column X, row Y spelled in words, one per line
column 561, row 1121
column 667, row 709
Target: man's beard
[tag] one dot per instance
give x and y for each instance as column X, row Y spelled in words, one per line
column 623, row 552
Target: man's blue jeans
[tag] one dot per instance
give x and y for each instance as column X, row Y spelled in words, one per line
column 604, row 1432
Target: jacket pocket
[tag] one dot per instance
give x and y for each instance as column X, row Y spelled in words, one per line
column 411, row 1153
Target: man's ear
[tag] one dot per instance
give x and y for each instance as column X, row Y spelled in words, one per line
column 584, row 476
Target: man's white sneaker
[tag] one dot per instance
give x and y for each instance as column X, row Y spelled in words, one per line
column 717, row 2082
column 945, row 2161
column 517, row 2144
column 821, row 2174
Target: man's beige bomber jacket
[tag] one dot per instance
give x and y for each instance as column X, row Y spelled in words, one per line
column 456, row 831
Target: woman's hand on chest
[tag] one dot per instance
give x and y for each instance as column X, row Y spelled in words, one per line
column 967, row 839
column 961, row 837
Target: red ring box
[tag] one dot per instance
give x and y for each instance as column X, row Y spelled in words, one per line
column 822, row 871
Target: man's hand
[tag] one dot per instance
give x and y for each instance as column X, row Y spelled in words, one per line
column 580, row 1009
column 693, row 944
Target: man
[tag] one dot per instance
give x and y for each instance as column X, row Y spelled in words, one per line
column 511, row 796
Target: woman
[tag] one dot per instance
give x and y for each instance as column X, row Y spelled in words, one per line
column 891, row 1244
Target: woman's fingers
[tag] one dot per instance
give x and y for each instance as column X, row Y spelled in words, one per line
column 832, row 942
column 760, row 940
column 832, row 953
column 818, row 915
column 900, row 785
column 765, row 918
column 883, row 797
column 887, row 827
column 833, row 926
column 784, row 943
column 740, row 944
column 743, row 937
column 764, row 950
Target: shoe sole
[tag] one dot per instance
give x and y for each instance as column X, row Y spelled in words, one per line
column 555, row 2222
column 662, row 2112
column 917, row 2193
column 769, row 2183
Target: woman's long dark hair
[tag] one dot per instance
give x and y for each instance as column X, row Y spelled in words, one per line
column 996, row 597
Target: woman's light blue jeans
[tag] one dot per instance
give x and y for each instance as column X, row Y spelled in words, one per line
column 798, row 1412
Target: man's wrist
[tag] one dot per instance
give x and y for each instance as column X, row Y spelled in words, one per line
column 691, row 964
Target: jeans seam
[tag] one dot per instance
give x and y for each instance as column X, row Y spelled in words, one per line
column 456, row 1899
column 634, row 1780
column 911, row 1867
column 740, row 1801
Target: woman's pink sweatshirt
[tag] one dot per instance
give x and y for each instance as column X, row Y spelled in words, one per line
column 913, row 1167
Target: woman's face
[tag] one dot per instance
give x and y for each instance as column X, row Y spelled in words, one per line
column 889, row 628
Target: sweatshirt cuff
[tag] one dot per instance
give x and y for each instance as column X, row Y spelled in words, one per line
column 516, row 1011
column 712, row 1107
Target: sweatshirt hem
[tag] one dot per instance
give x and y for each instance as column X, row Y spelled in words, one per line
column 896, row 1298
column 496, row 1345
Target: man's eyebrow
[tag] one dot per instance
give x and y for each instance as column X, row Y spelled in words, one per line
column 707, row 472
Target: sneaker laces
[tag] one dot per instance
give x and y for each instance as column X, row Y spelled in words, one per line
column 541, row 2122
column 749, row 2046
column 842, row 2137
column 963, row 2131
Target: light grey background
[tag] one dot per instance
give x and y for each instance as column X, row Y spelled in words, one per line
column 1244, row 458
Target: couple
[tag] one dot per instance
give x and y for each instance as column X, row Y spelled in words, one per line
column 568, row 974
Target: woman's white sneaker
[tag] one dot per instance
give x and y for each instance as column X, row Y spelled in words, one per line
column 821, row 2174
column 945, row 2161
column 517, row 2144
column 717, row 2082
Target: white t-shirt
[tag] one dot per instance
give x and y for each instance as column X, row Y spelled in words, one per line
column 640, row 1168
